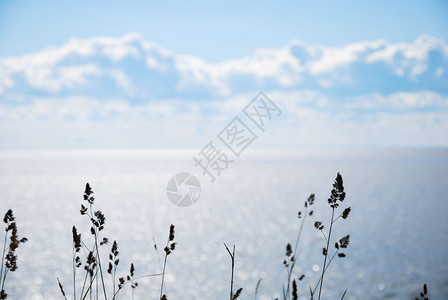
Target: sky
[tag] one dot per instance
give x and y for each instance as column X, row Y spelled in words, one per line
column 217, row 30
column 346, row 74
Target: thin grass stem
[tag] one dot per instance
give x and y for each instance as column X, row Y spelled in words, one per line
column 3, row 260
column 326, row 254
column 232, row 257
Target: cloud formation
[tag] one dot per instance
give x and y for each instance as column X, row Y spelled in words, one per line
column 123, row 88
column 131, row 60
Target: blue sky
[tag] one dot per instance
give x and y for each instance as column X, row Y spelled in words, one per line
column 216, row 30
column 348, row 74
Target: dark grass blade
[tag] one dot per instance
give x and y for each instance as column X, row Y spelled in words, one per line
column 256, row 288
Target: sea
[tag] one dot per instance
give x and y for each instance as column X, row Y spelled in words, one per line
column 398, row 224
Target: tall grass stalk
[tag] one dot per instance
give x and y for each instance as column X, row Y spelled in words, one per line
column 169, row 248
column 291, row 256
column 232, row 257
column 94, row 282
column 9, row 256
column 336, row 198
column 326, row 254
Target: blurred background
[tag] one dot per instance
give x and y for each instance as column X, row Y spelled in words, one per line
column 124, row 94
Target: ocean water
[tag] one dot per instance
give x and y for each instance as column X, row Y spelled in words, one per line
column 398, row 224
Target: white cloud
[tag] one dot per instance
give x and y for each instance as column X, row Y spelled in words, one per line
column 293, row 65
column 332, row 58
column 310, row 119
column 122, row 81
column 399, row 101
column 279, row 65
column 417, row 50
column 55, row 79
column 412, row 56
column 312, row 84
column 46, row 68
column 6, row 81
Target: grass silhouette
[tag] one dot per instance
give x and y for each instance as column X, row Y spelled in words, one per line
column 9, row 256
column 337, row 196
column 99, row 278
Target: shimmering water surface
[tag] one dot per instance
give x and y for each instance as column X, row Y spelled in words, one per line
column 398, row 224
